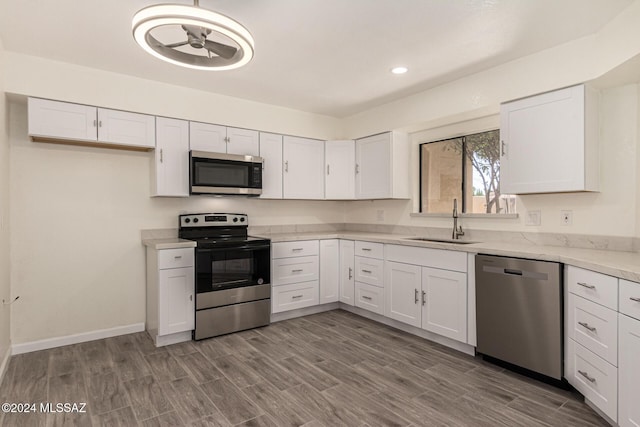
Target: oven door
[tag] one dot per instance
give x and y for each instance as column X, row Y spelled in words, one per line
column 233, row 266
column 219, row 173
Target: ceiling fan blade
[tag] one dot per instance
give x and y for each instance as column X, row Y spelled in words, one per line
column 222, row 50
column 172, row 45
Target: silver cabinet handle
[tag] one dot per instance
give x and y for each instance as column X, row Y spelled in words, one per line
column 503, row 151
column 327, row 169
column 366, row 249
column 366, row 271
column 297, row 249
column 586, row 326
column 286, row 166
column 297, row 270
column 415, row 296
column 585, row 285
column 264, row 162
column 424, row 297
column 177, row 257
column 366, row 297
column 296, row 296
column 95, row 123
column 99, row 123
column 227, row 139
column 357, row 168
column 190, row 297
column 634, row 299
column 161, row 159
column 584, row 374
column 350, row 273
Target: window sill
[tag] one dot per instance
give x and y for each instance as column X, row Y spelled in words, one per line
column 464, row 215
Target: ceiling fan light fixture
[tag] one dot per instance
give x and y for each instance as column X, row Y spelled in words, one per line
column 149, row 18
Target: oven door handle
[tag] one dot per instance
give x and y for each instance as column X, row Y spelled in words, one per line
column 234, row 248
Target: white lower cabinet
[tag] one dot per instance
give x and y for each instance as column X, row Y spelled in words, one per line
column 296, row 295
column 629, row 370
column 427, row 298
column 295, row 279
column 369, row 297
column 347, row 278
column 170, row 295
column 329, row 271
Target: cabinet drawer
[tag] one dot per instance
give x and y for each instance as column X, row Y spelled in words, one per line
column 295, row 270
column 293, row 296
column 630, row 298
column 175, row 258
column 371, row 250
column 595, row 327
column 592, row 376
column 369, row 270
column 593, row 286
column 369, row 297
column 427, row 257
column 293, row 249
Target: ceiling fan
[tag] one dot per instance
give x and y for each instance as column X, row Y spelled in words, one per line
column 198, row 24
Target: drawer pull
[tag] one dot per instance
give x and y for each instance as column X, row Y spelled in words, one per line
column 584, row 374
column 424, row 297
column 297, row 270
column 296, row 296
column 366, row 249
column 586, row 326
column 366, row 297
column 415, row 296
column 297, row 249
column 585, row 285
column 177, row 257
column 350, row 273
column 634, row 299
column 366, row 271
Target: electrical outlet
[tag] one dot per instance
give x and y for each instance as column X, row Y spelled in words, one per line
column 380, row 214
column 566, row 217
column 533, row 218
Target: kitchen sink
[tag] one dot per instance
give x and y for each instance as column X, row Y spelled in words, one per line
column 429, row 239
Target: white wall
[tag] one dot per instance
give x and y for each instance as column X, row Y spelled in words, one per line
column 5, row 288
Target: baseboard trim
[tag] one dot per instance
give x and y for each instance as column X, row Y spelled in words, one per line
column 286, row 315
column 45, row 344
column 5, row 363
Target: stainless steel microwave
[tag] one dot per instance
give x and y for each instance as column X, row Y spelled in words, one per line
column 219, row 173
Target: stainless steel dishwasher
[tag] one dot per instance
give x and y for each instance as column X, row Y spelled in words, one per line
column 519, row 312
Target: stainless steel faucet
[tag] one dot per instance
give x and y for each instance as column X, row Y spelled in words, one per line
column 457, row 231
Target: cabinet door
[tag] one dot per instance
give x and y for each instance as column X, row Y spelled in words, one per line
column 171, row 162
column 347, row 281
column 403, row 292
column 340, row 161
column 176, row 305
column 62, row 120
column 629, row 372
column 207, row 137
column 373, row 167
column 543, row 143
column 243, row 141
column 123, row 127
column 329, row 271
column 444, row 311
column 271, row 153
column 303, row 168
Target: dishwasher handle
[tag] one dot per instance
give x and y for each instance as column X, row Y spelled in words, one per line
column 513, row 272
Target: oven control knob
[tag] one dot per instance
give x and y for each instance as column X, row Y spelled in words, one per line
column 235, row 219
column 187, row 220
column 195, row 219
column 242, row 219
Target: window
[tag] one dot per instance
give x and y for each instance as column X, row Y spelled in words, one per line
column 465, row 168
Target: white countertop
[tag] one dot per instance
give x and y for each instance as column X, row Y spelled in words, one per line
column 625, row 265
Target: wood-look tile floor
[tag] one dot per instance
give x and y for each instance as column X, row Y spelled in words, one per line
column 328, row 369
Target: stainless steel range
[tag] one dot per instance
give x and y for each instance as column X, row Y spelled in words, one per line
column 233, row 274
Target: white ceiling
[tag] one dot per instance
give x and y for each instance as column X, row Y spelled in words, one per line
column 324, row 56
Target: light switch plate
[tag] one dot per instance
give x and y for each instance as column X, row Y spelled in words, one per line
column 533, row 218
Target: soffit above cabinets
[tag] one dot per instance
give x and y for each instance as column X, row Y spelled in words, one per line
column 329, row 57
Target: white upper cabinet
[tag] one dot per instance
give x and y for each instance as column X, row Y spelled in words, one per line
column 340, row 160
column 170, row 171
column 54, row 119
column 222, row 139
column 62, row 121
column 123, row 127
column 271, row 153
column 549, row 142
column 207, row 137
column 303, row 168
column 382, row 166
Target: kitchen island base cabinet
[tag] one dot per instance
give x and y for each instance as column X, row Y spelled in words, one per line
column 170, row 295
column 629, row 368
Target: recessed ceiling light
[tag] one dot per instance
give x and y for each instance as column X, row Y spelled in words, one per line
column 399, row 70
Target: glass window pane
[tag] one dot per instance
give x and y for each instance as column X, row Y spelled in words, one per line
column 483, row 175
column 441, row 175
